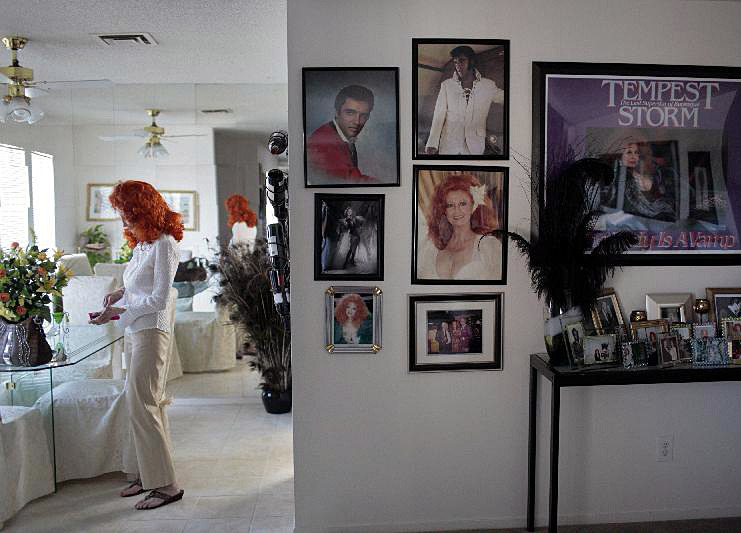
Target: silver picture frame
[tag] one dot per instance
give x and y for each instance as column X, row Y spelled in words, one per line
column 363, row 337
column 672, row 306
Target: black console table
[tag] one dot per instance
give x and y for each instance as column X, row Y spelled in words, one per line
column 567, row 377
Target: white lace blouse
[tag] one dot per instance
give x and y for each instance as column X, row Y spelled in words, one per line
column 147, row 281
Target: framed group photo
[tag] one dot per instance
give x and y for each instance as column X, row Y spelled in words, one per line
column 348, row 236
column 460, row 98
column 351, row 126
column 667, row 133
column 353, row 319
column 455, row 332
column 454, row 208
column 724, row 303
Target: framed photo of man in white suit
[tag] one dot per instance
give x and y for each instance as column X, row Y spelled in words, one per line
column 460, row 99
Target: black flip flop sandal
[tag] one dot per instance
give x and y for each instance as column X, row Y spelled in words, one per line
column 166, row 499
column 136, row 482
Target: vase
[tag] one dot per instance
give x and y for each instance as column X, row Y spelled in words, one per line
column 24, row 343
column 275, row 402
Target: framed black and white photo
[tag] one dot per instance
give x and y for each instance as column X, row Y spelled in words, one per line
column 669, row 349
column 672, row 306
column 353, row 319
column 669, row 133
column 731, row 328
column 455, row 332
column 704, row 331
column 648, row 331
column 573, row 334
column 634, row 354
column 724, row 303
column 599, row 349
column 348, row 236
column 351, row 126
column 460, row 98
column 453, row 210
column 607, row 314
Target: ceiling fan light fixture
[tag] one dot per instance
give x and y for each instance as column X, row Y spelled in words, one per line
column 153, row 150
column 20, row 109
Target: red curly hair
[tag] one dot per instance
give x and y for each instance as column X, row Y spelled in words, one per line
column 361, row 310
column 144, row 208
column 239, row 211
column 440, row 230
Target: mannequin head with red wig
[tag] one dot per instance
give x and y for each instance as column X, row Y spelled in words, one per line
column 145, row 213
column 239, row 211
column 453, row 204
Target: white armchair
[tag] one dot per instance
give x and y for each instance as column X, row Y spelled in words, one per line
column 77, row 263
column 206, row 341
column 114, row 270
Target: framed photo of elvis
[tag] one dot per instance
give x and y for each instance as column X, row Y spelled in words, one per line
column 351, row 126
column 670, row 134
column 353, row 319
column 455, row 332
column 460, row 99
column 348, row 236
column 454, row 208
column 724, row 303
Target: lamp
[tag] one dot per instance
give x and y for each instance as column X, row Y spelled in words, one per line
column 153, row 149
column 20, row 109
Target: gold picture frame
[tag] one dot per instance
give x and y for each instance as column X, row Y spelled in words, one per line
column 98, row 208
column 607, row 314
column 726, row 297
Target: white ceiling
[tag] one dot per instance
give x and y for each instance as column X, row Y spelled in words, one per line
column 200, row 41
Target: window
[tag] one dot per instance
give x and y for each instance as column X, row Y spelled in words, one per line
column 18, row 194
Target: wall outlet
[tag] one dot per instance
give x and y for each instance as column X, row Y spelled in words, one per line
column 665, row 448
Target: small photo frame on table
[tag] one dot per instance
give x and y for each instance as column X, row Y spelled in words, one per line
column 731, row 328
column 460, row 99
column 724, row 303
column 455, row 332
column 574, row 335
column 673, row 306
column 353, row 319
column 599, row 349
column 351, row 126
column 703, row 331
column 709, row 351
column 683, row 330
column 453, row 210
column 734, row 351
column 99, row 208
column 669, row 349
column 185, row 203
column 348, row 237
column 607, row 314
column 634, row 354
column 648, row 331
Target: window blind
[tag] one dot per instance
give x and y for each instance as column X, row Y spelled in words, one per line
column 15, row 198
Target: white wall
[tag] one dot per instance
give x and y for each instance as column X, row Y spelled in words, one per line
column 377, row 448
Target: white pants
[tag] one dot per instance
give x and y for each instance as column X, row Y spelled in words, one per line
column 147, row 363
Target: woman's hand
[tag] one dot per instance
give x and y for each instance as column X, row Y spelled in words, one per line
column 102, row 317
column 113, row 297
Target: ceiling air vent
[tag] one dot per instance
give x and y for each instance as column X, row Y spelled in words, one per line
column 223, row 111
column 127, row 39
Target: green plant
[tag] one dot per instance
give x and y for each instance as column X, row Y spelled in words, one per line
column 95, row 243
column 29, row 278
column 245, row 289
column 124, row 253
column 95, row 235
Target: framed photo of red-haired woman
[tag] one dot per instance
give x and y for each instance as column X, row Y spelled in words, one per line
column 454, row 210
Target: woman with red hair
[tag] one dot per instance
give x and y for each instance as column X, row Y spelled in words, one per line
column 457, row 246
column 153, row 231
column 351, row 313
column 242, row 220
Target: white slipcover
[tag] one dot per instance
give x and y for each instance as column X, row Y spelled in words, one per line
column 77, row 263
column 25, row 461
column 206, row 341
column 114, row 270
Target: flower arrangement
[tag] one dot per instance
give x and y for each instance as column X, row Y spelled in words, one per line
column 29, row 278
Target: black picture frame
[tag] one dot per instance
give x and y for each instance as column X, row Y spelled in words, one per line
column 579, row 109
column 493, row 56
column 329, row 231
column 378, row 151
column 482, row 354
column 496, row 180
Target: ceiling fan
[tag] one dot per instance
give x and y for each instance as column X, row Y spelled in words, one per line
column 17, row 104
column 154, row 136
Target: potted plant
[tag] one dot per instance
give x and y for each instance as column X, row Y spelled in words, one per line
column 245, row 289
column 29, row 278
column 96, row 245
column 124, row 253
column 567, row 269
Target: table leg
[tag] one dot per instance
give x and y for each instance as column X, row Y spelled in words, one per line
column 531, row 443
column 553, row 496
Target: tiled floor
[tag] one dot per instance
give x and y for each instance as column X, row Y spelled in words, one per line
column 234, row 461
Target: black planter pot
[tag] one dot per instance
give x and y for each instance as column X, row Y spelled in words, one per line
column 276, row 403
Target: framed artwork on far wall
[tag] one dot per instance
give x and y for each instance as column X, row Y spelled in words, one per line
column 455, row 332
column 724, row 303
column 666, row 132
column 185, row 203
column 99, row 209
column 460, row 99
column 351, row 126
column 453, row 208
column 353, row 317
column 348, row 236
